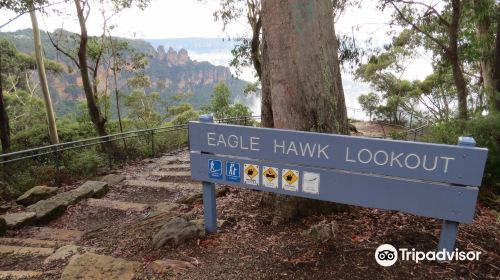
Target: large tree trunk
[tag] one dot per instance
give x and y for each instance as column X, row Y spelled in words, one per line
column 452, row 53
column 54, row 138
column 266, row 109
column 4, row 118
column 496, row 69
column 487, row 59
column 303, row 77
column 95, row 114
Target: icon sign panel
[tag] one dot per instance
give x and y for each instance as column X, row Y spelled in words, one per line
column 310, row 182
column 233, row 171
column 251, row 175
column 290, row 180
column 215, row 169
column 270, row 177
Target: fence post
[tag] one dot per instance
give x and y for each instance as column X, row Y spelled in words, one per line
column 449, row 229
column 152, row 142
column 209, row 202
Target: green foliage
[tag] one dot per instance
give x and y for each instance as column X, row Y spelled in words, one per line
column 486, row 132
column 220, row 101
column 398, row 135
column 85, row 162
column 369, row 102
column 185, row 117
column 142, row 108
column 179, row 109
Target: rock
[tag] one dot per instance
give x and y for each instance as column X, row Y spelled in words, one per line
column 15, row 220
column 50, row 208
column 20, row 274
column 113, row 179
column 94, row 267
column 117, row 205
column 177, row 230
column 26, row 251
column 31, row 242
column 4, row 208
column 164, row 207
column 198, row 196
column 323, row 232
column 57, row 234
column 164, row 266
column 3, row 226
column 66, row 252
column 36, row 194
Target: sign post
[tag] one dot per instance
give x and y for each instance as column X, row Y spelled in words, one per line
column 209, row 199
column 432, row 180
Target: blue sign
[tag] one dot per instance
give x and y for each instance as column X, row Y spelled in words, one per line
column 215, row 169
column 233, row 171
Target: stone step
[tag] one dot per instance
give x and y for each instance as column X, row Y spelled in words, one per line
column 118, row 205
column 49, row 209
column 30, row 251
column 150, row 184
column 172, row 174
column 55, row 234
column 175, row 167
column 20, row 274
column 15, row 220
column 93, row 266
column 30, row 242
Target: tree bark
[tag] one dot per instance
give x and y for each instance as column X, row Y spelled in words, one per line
column 4, row 117
column 303, row 76
column 452, row 53
column 266, row 109
column 94, row 112
column 496, row 68
column 51, row 121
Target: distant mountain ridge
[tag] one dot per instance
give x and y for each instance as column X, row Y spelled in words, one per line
column 171, row 71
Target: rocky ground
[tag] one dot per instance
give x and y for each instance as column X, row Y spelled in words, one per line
column 148, row 226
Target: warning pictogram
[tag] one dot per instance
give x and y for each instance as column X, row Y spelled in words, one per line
column 290, row 180
column 270, row 177
column 251, row 175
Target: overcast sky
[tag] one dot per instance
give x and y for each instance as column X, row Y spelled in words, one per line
column 192, row 18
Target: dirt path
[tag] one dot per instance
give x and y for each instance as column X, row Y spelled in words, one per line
column 111, row 236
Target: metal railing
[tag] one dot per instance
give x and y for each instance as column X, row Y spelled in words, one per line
column 55, row 152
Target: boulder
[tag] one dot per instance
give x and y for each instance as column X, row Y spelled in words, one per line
column 163, row 207
column 323, row 232
column 36, row 194
column 95, row 267
column 177, row 230
column 67, row 251
column 15, row 220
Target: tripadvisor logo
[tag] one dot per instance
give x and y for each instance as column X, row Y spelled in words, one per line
column 387, row 255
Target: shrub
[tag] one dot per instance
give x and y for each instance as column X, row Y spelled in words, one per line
column 84, row 162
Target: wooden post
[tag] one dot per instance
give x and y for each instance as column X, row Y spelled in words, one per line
column 449, row 229
column 209, row 202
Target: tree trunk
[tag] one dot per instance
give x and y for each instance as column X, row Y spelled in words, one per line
column 4, row 118
column 487, row 59
column 452, row 53
column 266, row 108
column 303, row 77
column 51, row 121
column 95, row 114
column 496, row 68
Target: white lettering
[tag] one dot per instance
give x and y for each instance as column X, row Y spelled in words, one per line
column 241, row 144
column 306, row 148
column 446, row 163
column 282, row 146
column 232, row 143
column 396, row 159
column 221, row 140
column 347, row 156
column 322, row 151
column 383, row 153
column 294, row 149
column 211, row 138
column 406, row 161
column 425, row 165
column 369, row 154
column 254, row 141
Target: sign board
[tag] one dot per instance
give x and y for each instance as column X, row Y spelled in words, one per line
column 432, row 180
